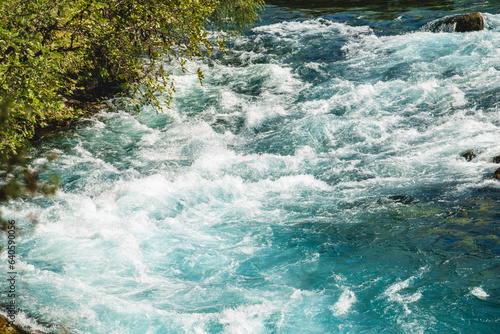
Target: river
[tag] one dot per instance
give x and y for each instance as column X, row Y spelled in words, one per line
column 314, row 184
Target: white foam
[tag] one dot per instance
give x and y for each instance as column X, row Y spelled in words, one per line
column 306, row 29
column 196, row 322
column 491, row 21
column 256, row 115
column 479, row 293
column 393, row 293
column 245, row 319
column 28, row 323
column 345, row 302
column 293, row 183
column 230, row 100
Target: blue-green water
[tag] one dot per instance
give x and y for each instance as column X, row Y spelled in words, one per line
column 314, row 184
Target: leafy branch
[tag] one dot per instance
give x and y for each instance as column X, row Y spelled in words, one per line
column 60, row 50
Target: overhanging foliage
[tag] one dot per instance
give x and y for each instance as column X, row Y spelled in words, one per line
column 52, row 51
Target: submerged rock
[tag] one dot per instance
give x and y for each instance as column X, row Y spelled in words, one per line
column 403, row 199
column 496, row 159
column 464, row 23
column 468, row 155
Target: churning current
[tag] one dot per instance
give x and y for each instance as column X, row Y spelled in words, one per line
column 314, row 184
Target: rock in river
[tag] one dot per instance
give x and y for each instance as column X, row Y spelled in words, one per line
column 497, row 174
column 468, row 155
column 464, row 23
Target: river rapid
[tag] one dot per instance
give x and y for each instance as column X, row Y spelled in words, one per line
column 314, row 184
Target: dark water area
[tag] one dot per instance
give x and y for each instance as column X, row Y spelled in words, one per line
column 374, row 5
column 314, row 184
column 380, row 14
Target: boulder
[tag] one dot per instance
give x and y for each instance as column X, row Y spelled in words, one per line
column 464, row 23
column 496, row 159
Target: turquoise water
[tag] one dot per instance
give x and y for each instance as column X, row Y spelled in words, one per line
column 314, row 184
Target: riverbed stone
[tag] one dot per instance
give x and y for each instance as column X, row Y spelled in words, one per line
column 464, row 23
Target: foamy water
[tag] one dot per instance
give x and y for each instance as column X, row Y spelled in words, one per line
column 313, row 184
